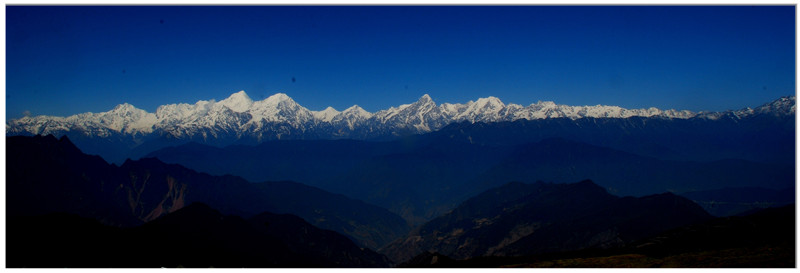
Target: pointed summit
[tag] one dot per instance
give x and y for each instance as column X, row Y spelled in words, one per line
column 351, row 108
column 241, row 95
column 357, row 111
column 238, row 101
column 280, row 107
column 354, row 108
column 425, row 98
column 326, row 115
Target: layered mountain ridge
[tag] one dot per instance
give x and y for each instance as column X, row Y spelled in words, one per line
column 128, row 132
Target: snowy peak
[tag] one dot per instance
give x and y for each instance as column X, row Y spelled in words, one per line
column 124, row 111
column 488, row 109
column 424, row 103
column 238, row 102
column 488, row 106
column 784, row 106
column 326, row 115
column 279, row 108
column 356, row 110
column 125, row 108
column 781, row 107
column 425, row 99
column 278, row 98
column 241, row 95
column 489, row 103
column 543, row 104
column 353, row 115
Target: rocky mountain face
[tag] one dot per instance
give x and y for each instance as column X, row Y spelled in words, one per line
column 52, row 175
column 239, row 119
column 524, row 219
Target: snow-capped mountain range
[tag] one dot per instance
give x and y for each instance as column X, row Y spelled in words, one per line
column 279, row 116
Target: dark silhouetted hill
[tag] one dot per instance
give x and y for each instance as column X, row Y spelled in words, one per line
column 524, row 219
column 193, row 236
column 49, row 175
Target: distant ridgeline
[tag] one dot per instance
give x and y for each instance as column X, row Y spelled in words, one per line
column 128, row 132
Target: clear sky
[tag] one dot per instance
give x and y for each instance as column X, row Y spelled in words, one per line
column 69, row 60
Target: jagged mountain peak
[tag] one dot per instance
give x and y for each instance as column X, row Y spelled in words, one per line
column 782, row 106
column 425, row 99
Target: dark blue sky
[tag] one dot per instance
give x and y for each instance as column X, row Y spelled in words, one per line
column 69, row 60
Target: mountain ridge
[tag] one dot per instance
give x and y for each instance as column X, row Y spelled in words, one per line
column 129, row 132
column 245, row 116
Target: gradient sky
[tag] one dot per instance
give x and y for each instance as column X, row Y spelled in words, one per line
column 69, row 60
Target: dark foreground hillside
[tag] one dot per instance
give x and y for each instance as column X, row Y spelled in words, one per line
column 764, row 239
column 194, row 236
column 46, row 175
